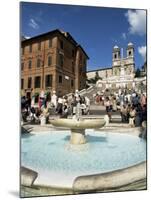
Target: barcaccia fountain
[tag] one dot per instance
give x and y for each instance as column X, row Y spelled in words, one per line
column 78, row 125
column 92, row 161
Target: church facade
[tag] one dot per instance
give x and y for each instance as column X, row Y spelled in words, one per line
column 122, row 73
column 117, row 60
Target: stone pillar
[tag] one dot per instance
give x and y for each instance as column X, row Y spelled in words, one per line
column 77, row 136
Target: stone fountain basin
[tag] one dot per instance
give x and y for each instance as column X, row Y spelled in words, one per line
column 131, row 178
column 79, row 124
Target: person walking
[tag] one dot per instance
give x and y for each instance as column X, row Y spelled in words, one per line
column 108, row 107
column 87, row 103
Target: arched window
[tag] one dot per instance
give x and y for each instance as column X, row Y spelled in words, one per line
column 38, row 62
column 29, row 64
column 29, row 82
column 129, row 53
column 22, row 66
column 48, row 80
column 115, row 56
column 61, row 60
column 37, row 81
column 49, row 60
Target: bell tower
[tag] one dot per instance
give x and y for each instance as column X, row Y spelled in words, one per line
column 130, row 59
column 116, row 60
column 130, row 50
column 116, row 53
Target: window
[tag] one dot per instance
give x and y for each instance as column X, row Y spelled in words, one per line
column 38, row 62
column 39, row 46
column 29, row 64
column 49, row 60
column 129, row 53
column 22, row 50
column 48, row 80
column 29, row 82
column 61, row 44
column 115, row 56
column 37, row 81
column 72, row 83
column 30, row 48
column 50, row 43
column 60, row 79
column 22, row 66
column 61, row 60
column 22, row 83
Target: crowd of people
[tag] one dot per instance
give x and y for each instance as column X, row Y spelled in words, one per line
column 47, row 105
column 131, row 105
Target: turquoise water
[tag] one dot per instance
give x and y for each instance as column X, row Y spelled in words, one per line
column 103, row 152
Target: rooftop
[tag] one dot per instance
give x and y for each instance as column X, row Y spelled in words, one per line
column 66, row 35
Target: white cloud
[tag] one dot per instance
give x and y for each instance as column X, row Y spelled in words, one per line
column 142, row 52
column 27, row 37
column 137, row 21
column 124, row 36
column 33, row 24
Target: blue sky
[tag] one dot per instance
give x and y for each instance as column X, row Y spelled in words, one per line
column 97, row 29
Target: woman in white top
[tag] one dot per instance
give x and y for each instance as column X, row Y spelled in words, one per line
column 54, row 99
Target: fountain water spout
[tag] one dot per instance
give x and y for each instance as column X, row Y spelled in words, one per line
column 78, row 111
column 78, row 126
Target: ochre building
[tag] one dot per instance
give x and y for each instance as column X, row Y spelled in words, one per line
column 53, row 61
